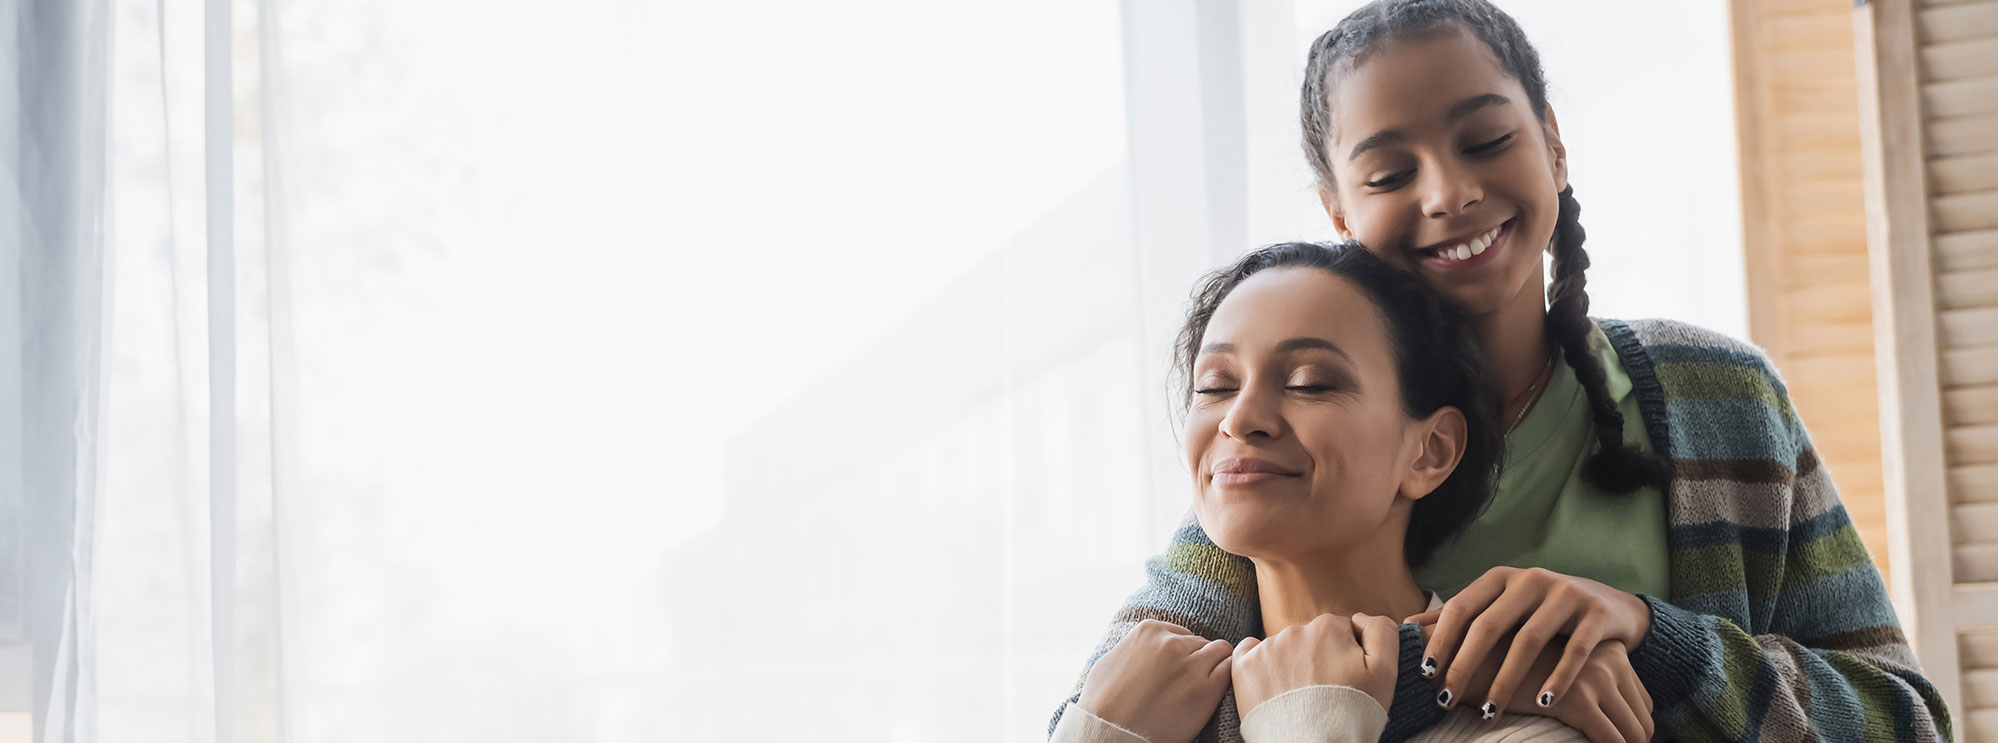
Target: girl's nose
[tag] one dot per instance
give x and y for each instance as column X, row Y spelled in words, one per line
column 1450, row 193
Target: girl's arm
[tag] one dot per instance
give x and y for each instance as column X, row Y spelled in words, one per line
column 1782, row 629
column 1821, row 657
column 1824, row 657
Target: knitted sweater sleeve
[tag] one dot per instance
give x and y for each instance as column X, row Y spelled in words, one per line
column 1197, row 585
column 1821, row 656
column 1778, row 627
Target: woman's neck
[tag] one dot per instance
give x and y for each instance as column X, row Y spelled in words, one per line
column 1368, row 579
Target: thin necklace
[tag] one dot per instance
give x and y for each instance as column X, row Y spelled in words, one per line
column 1533, row 392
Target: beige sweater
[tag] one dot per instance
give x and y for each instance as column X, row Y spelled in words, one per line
column 1334, row 714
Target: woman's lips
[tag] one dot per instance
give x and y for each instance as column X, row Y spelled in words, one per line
column 1247, row 479
column 1440, row 264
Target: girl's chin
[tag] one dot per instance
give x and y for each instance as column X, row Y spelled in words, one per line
column 1491, row 293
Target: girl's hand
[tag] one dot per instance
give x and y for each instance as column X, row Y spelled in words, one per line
column 1607, row 702
column 1360, row 652
column 1161, row 681
column 1535, row 605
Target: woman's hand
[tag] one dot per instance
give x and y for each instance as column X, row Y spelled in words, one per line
column 1360, row 652
column 1161, row 681
column 1535, row 606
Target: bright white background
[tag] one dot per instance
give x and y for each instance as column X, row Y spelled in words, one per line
column 733, row 371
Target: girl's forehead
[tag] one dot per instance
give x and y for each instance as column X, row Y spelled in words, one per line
column 1412, row 82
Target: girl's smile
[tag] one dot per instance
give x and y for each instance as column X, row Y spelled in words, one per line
column 1466, row 254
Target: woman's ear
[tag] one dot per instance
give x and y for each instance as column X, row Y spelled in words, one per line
column 1439, row 442
column 1332, row 210
column 1551, row 127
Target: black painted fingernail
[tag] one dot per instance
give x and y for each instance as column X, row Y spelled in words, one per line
column 1429, row 668
column 1488, row 711
column 1546, row 699
column 1443, row 699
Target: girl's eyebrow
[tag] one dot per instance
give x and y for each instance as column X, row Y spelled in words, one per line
column 1457, row 112
column 1470, row 105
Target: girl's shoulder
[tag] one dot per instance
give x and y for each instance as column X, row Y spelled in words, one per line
column 1688, row 358
column 1708, row 393
column 1682, row 341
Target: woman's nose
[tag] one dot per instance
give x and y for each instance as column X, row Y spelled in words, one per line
column 1252, row 413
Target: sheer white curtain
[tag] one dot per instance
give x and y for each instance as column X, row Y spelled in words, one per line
column 136, row 458
column 53, row 247
column 187, row 597
column 615, row 370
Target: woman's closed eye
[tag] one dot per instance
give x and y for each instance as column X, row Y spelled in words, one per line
column 1307, row 388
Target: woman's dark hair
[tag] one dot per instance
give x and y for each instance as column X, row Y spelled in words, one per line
column 1436, row 359
column 1615, row 466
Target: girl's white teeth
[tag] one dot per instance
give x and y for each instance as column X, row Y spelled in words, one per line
column 1476, row 246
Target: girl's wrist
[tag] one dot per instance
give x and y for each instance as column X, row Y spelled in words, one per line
column 1640, row 612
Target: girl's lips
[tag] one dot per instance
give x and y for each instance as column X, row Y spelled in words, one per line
column 1440, row 264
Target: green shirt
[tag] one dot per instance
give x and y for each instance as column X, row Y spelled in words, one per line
column 1544, row 515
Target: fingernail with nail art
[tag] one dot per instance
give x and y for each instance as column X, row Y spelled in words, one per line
column 1488, row 711
column 1429, row 668
column 1443, row 699
column 1546, row 699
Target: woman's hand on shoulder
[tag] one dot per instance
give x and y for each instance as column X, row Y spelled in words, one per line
column 1360, row 652
column 1533, row 606
column 1161, row 681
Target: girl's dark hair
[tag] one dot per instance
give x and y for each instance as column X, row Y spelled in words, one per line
column 1436, row 359
column 1615, row 466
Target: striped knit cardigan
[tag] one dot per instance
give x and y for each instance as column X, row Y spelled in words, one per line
column 1778, row 627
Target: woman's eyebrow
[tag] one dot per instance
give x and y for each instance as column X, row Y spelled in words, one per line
column 1457, row 112
column 1294, row 344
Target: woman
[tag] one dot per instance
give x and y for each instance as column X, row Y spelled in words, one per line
column 1338, row 431
column 1659, row 489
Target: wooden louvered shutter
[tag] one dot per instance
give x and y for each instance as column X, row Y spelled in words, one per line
column 1929, row 99
column 1803, row 213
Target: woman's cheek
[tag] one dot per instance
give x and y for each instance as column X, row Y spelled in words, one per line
column 1197, row 440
